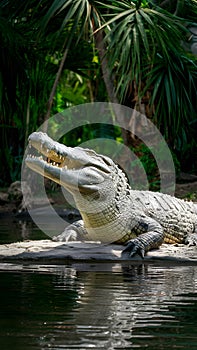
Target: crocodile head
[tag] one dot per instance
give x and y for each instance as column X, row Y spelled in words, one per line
column 76, row 169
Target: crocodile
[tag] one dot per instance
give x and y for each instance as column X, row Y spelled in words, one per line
column 111, row 210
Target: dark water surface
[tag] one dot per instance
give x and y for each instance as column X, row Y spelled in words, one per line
column 97, row 306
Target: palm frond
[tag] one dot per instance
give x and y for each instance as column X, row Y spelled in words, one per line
column 174, row 93
column 135, row 35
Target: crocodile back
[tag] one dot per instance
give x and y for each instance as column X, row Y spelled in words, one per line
column 178, row 217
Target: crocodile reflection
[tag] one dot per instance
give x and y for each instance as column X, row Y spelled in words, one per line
column 113, row 308
column 105, row 306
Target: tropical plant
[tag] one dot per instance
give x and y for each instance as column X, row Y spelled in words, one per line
column 29, row 63
column 139, row 45
column 141, row 52
column 143, row 60
column 147, row 57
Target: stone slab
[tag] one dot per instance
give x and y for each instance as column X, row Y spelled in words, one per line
column 47, row 250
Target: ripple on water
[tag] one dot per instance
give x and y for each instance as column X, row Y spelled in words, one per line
column 99, row 307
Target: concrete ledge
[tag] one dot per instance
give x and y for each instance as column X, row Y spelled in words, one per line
column 47, row 250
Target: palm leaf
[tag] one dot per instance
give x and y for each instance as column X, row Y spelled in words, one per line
column 142, row 31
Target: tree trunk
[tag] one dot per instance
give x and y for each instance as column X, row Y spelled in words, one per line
column 100, row 46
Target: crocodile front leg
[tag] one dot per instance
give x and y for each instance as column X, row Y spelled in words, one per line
column 152, row 237
column 73, row 232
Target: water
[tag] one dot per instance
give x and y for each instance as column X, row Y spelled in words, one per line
column 97, row 306
column 13, row 229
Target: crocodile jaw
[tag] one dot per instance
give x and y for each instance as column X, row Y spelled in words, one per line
column 73, row 168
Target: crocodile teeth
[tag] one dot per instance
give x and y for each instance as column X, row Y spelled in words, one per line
column 47, row 160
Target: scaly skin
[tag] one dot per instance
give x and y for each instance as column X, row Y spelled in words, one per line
column 111, row 211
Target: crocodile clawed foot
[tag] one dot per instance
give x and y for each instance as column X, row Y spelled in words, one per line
column 191, row 239
column 132, row 248
column 67, row 235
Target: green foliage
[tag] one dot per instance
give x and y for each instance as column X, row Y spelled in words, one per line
column 175, row 101
column 91, row 132
column 146, row 156
column 148, row 161
column 72, row 90
column 143, row 46
column 27, row 75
